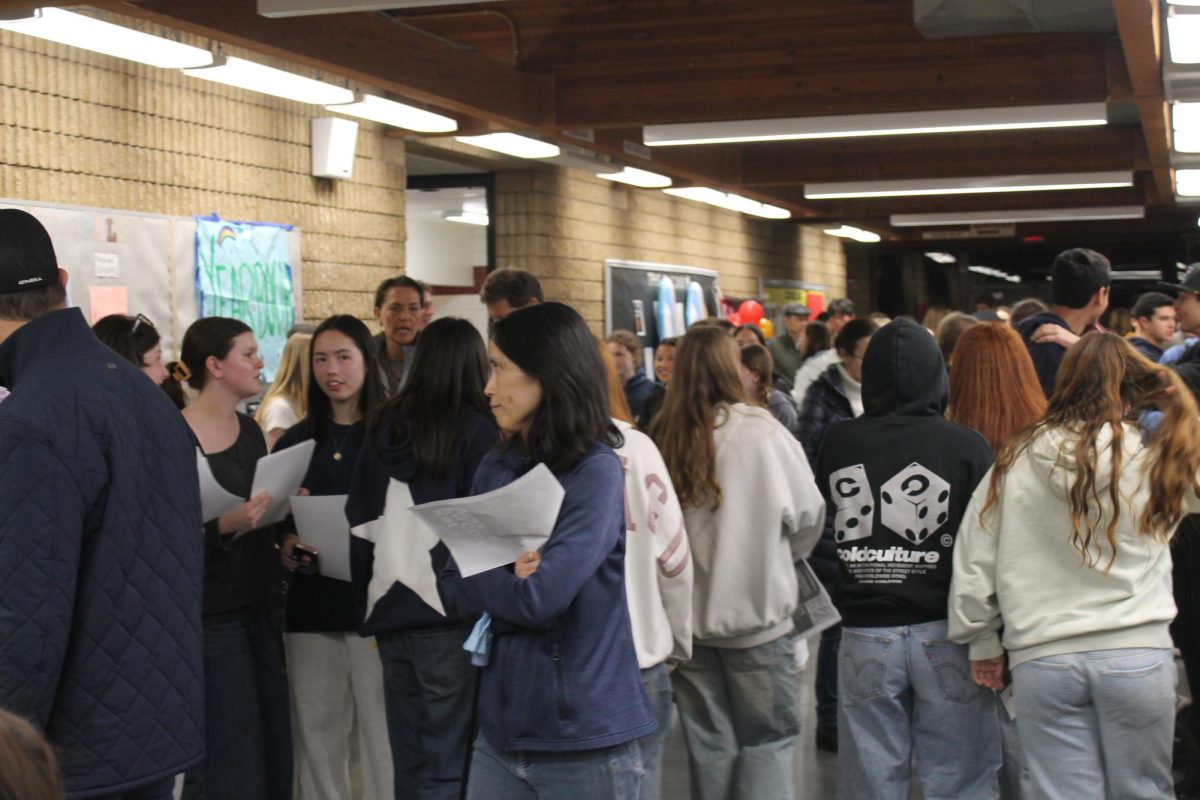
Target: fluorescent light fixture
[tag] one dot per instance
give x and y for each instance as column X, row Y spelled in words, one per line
column 89, row 33
column 400, row 115
column 1029, row 215
column 512, row 144
column 243, row 74
column 995, row 273
column 941, row 258
column 1183, row 2
column 1183, row 37
column 857, row 234
column 730, row 202
column 982, row 185
column 1185, row 119
column 1187, row 182
column 896, row 124
column 469, row 217
column 637, row 177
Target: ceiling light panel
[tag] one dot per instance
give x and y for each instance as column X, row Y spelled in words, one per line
column 512, row 144
column 1187, row 182
column 637, row 177
column 1183, row 37
column 1029, row 215
column 980, row 185
column 730, row 202
column 89, row 33
column 243, row 74
column 857, row 234
column 897, row 124
column 399, row 115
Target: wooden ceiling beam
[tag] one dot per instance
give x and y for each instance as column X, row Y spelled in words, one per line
column 1139, row 23
column 371, row 49
column 948, row 155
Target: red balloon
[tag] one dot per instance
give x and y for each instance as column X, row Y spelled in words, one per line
column 751, row 311
column 735, row 318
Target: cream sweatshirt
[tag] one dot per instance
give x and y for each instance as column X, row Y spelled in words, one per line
column 770, row 516
column 658, row 563
column 1017, row 567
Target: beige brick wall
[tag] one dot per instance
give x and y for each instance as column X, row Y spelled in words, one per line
column 89, row 130
column 562, row 224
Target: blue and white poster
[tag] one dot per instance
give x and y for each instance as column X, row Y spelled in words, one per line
column 242, row 271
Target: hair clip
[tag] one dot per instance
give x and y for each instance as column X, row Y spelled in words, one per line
column 182, row 373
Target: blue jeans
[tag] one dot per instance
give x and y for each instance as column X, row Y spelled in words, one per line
column 740, row 720
column 1098, row 724
column 612, row 773
column 428, row 691
column 909, row 689
column 248, row 730
column 657, row 683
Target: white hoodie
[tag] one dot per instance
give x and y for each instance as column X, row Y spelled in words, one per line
column 658, row 564
column 1018, row 568
column 771, row 516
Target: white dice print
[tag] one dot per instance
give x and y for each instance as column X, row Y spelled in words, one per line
column 851, row 493
column 915, row 503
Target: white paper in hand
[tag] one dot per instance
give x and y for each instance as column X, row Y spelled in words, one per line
column 321, row 522
column 280, row 474
column 402, row 544
column 214, row 500
column 491, row 530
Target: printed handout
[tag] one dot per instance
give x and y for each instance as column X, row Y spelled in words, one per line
column 321, row 522
column 280, row 474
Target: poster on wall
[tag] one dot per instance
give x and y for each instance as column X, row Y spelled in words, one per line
column 242, row 271
column 657, row 301
column 779, row 292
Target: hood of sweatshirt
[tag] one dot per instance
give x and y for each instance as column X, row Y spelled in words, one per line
column 395, row 451
column 1052, row 458
column 903, row 373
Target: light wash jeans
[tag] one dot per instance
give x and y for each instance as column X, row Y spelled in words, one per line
column 612, row 773
column 1098, row 724
column 909, row 689
column 740, row 720
column 657, row 682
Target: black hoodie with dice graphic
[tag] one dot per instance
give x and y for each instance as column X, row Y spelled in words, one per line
column 897, row 480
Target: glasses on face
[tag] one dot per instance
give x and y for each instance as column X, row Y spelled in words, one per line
column 138, row 321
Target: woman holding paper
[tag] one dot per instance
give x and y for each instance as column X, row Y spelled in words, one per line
column 248, row 730
column 751, row 508
column 335, row 676
column 561, row 704
column 425, row 444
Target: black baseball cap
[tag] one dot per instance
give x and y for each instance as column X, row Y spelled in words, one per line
column 796, row 310
column 26, row 255
column 1191, row 281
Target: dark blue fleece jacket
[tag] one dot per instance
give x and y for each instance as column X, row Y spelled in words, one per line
column 392, row 458
column 563, row 674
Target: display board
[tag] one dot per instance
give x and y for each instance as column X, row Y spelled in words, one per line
column 775, row 293
column 135, row 263
column 656, row 301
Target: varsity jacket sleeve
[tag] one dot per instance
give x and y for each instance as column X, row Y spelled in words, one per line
column 674, row 558
column 42, row 518
column 974, row 612
column 583, row 537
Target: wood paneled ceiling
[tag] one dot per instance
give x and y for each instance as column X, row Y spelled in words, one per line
column 611, row 66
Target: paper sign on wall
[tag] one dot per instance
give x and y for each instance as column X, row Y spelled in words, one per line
column 242, row 271
column 107, row 265
column 106, row 300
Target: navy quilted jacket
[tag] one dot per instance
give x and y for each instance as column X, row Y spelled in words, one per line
column 101, row 560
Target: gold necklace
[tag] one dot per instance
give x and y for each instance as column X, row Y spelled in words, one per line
column 337, row 446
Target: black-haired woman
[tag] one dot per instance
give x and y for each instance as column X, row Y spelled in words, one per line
column 425, row 445
column 248, row 730
column 335, row 676
column 136, row 340
column 561, row 704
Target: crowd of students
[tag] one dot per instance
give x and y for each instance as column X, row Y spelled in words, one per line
column 1004, row 523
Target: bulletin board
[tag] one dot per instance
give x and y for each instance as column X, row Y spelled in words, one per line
column 134, row 263
column 632, row 291
column 775, row 293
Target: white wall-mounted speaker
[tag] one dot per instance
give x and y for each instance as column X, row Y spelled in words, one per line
column 333, row 141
